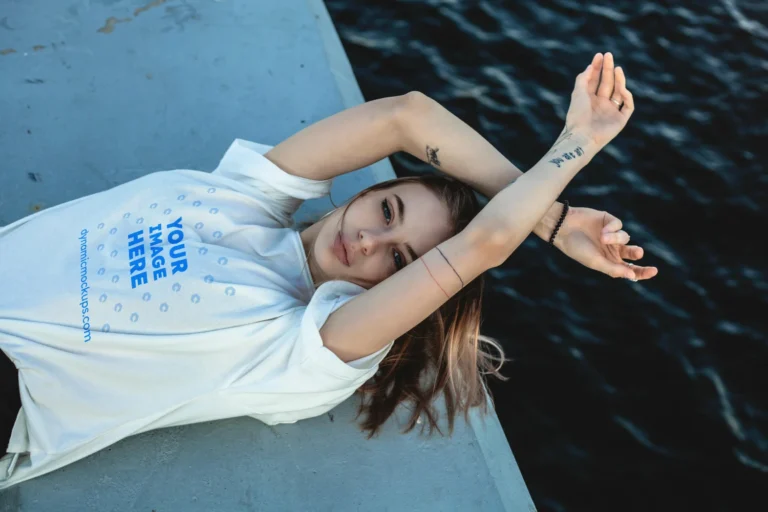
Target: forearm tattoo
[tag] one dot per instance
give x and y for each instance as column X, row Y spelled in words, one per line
column 568, row 155
column 432, row 156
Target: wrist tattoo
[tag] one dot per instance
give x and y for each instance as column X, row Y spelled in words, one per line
column 432, row 156
column 568, row 155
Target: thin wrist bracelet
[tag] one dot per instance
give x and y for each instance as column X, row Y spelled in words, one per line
column 559, row 223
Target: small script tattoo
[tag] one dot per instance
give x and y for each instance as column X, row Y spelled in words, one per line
column 432, row 156
column 568, row 155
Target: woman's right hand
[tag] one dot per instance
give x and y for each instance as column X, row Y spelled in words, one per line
column 592, row 113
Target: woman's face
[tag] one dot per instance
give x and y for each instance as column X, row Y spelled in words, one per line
column 378, row 235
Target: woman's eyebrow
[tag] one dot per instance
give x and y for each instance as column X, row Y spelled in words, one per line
column 401, row 216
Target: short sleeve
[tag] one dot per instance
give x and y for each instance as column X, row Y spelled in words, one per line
column 282, row 193
column 329, row 297
column 321, row 381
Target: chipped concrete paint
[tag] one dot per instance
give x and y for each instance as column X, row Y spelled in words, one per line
column 109, row 25
column 36, row 48
column 149, row 6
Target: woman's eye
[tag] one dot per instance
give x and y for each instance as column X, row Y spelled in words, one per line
column 398, row 261
column 387, row 213
column 388, row 217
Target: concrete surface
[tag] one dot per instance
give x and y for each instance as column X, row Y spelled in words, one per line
column 97, row 93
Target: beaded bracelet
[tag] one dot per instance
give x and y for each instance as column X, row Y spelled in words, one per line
column 559, row 223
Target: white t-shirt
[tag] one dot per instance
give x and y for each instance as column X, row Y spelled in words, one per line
column 179, row 297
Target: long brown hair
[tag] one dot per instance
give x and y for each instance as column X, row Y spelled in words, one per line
column 445, row 352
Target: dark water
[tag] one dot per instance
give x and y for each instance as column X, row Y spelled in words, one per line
column 623, row 396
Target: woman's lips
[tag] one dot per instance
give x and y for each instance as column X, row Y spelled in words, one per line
column 341, row 250
column 344, row 246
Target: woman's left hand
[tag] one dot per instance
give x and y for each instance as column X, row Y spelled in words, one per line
column 595, row 239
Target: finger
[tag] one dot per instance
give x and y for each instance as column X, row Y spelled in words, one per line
column 631, row 252
column 621, row 90
column 582, row 79
column 594, row 78
column 620, row 80
column 618, row 237
column 606, row 78
column 619, row 270
column 610, row 223
column 642, row 273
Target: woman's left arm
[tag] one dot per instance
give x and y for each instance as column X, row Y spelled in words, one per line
column 475, row 161
column 593, row 238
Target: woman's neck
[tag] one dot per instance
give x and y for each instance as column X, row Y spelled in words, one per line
column 308, row 239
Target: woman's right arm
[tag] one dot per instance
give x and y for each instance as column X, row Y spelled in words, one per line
column 513, row 213
column 388, row 310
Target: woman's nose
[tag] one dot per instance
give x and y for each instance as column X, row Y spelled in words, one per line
column 370, row 240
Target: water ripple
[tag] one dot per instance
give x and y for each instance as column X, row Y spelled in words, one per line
column 373, row 40
column 747, row 461
column 751, row 26
column 641, row 186
column 607, row 12
column 725, row 404
column 655, row 297
column 640, row 436
column 686, row 177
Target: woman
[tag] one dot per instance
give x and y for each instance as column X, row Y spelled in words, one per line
column 185, row 296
